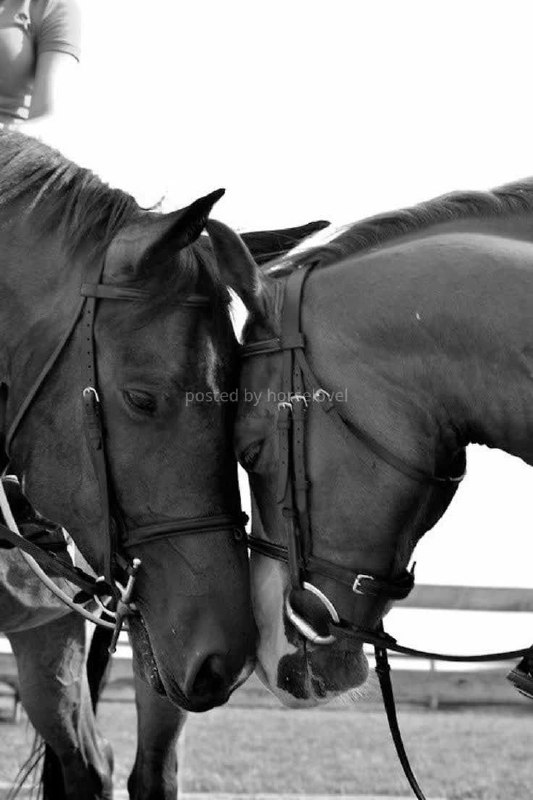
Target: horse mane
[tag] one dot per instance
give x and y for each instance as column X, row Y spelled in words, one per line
column 61, row 198
column 377, row 230
column 59, row 195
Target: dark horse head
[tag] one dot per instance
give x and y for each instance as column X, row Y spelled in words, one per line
column 165, row 373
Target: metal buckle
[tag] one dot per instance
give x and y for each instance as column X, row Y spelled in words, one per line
column 124, row 604
column 357, row 582
column 300, row 398
column 91, row 390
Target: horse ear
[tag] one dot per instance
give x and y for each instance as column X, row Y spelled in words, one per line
column 156, row 238
column 237, row 267
column 265, row 246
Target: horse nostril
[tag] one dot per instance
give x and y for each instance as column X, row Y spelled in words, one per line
column 210, row 680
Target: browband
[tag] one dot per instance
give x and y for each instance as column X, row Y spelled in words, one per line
column 109, row 291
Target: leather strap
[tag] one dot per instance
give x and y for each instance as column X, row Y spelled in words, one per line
column 383, row 672
column 185, row 527
column 105, row 291
column 93, row 420
column 110, row 291
column 396, row 588
column 266, row 548
column 293, row 484
column 41, row 377
column 379, row 638
column 57, row 565
column 345, row 426
column 94, row 436
column 261, row 347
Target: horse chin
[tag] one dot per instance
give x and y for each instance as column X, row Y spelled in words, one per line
column 144, row 662
column 310, row 677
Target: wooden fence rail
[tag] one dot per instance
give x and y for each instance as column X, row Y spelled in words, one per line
column 470, row 598
column 466, row 598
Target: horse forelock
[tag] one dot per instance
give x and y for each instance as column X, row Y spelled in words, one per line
column 351, row 239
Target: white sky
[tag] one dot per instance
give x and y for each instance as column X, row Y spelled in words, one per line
column 333, row 109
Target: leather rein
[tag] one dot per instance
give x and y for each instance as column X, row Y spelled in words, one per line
column 300, row 387
column 117, row 537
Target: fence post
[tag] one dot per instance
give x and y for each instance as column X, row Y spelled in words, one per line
column 433, row 688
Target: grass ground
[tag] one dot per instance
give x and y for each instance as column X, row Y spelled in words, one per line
column 482, row 753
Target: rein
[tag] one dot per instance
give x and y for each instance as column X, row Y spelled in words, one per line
column 116, row 536
column 299, row 386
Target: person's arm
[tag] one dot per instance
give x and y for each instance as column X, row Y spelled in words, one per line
column 57, row 45
column 54, row 87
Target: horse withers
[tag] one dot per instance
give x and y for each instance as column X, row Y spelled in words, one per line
column 114, row 328
column 369, row 364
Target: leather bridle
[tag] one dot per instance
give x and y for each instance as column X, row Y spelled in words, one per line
column 300, row 388
column 117, row 537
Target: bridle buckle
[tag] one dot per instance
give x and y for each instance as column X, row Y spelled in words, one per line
column 90, row 390
column 299, row 398
column 319, row 395
column 357, row 587
column 124, row 603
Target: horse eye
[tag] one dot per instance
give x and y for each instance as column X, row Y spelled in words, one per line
column 140, row 401
column 249, row 456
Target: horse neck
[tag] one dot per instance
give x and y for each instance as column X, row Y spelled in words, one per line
column 486, row 379
column 439, row 333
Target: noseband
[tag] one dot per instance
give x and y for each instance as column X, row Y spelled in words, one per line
column 116, row 536
column 299, row 388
